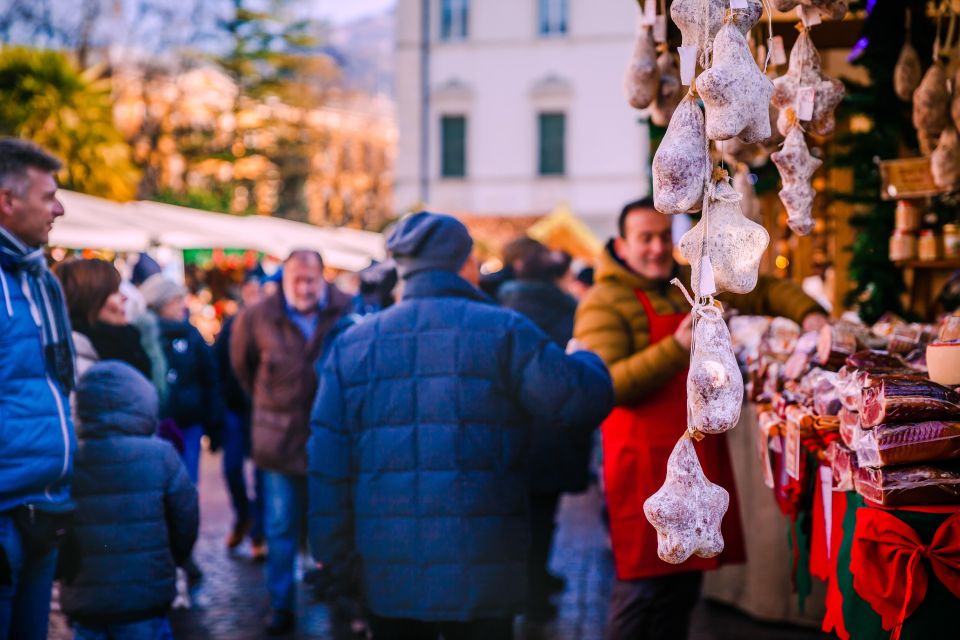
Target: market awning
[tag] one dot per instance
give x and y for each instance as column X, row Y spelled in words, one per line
column 96, row 223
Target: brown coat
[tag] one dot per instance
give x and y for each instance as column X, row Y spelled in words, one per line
column 275, row 364
column 612, row 323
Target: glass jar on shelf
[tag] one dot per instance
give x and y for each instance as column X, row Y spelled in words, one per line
column 951, row 241
column 903, row 245
column 928, row 245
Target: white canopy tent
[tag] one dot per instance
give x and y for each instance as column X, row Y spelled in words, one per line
column 138, row 226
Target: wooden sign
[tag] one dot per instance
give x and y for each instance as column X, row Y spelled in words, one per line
column 906, row 178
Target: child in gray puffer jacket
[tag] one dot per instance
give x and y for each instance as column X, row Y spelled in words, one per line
column 137, row 513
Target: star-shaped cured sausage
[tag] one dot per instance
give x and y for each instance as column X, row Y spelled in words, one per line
column 689, row 18
column 687, row 510
column 805, row 71
column 734, row 90
column 796, row 167
column 734, row 244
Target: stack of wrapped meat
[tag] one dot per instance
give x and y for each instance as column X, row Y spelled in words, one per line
column 861, row 400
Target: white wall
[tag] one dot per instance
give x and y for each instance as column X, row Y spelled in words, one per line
column 500, row 77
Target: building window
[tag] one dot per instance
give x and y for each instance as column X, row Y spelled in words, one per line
column 453, row 147
column 552, row 142
column 453, row 19
column 553, row 17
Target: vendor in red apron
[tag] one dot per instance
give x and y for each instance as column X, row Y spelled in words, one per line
column 639, row 324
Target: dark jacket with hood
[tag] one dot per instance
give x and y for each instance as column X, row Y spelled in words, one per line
column 419, row 448
column 136, row 512
column 193, row 379
column 275, row 364
column 559, row 458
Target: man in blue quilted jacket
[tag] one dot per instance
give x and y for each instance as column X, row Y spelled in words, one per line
column 418, row 450
column 36, row 375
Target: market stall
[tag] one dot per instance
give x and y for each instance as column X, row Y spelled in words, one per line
column 854, row 430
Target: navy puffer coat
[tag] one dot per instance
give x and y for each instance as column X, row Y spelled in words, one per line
column 559, row 458
column 418, row 452
column 137, row 513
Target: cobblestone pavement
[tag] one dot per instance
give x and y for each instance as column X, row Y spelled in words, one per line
column 231, row 602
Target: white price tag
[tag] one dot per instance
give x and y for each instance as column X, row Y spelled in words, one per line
column 708, row 285
column 660, row 29
column 791, row 451
column 826, row 493
column 809, row 16
column 688, row 64
column 778, row 54
column 805, row 99
column 650, row 12
column 738, row 4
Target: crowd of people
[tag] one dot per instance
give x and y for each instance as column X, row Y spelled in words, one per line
column 418, row 434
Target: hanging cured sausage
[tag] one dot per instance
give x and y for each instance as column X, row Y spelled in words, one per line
column 681, row 162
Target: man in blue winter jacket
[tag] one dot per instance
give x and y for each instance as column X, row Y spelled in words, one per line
column 36, row 376
column 418, row 450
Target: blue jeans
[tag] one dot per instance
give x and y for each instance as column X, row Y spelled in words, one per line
column 235, row 452
column 285, row 503
column 191, row 450
column 25, row 603
column 152, row 629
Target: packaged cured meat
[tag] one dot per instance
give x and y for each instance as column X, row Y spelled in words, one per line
column 670, row 91
column 849, row 427
column 843, row 462
column 689, row 18
column 945, row 159
column 747, row 334
column 850, row 387
column 783, row 338
column 907, row 72
column 892, row 444
column 642, row 78
column 872, row 360
column 907, row 399
column 931, row 102
column 805, row 73
column 924, row 484
column 681, row 163
column 801, row 359
column 908, row 338
column 796, row 167
column 714, row 383
column 826, row 398
column 733, row 244
column 735, row 92
column 688, row 509
column 836, row 343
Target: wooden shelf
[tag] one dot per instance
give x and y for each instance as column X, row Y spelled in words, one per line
column 946, row 264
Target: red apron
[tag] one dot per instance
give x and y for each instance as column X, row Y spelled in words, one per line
column 637, row 441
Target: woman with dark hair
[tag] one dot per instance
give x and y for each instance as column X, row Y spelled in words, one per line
column 559, row 458
column 97, row 315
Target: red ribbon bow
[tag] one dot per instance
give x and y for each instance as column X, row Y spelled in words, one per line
column 887, row 567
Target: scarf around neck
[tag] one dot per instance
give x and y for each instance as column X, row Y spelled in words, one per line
column 42, row 290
